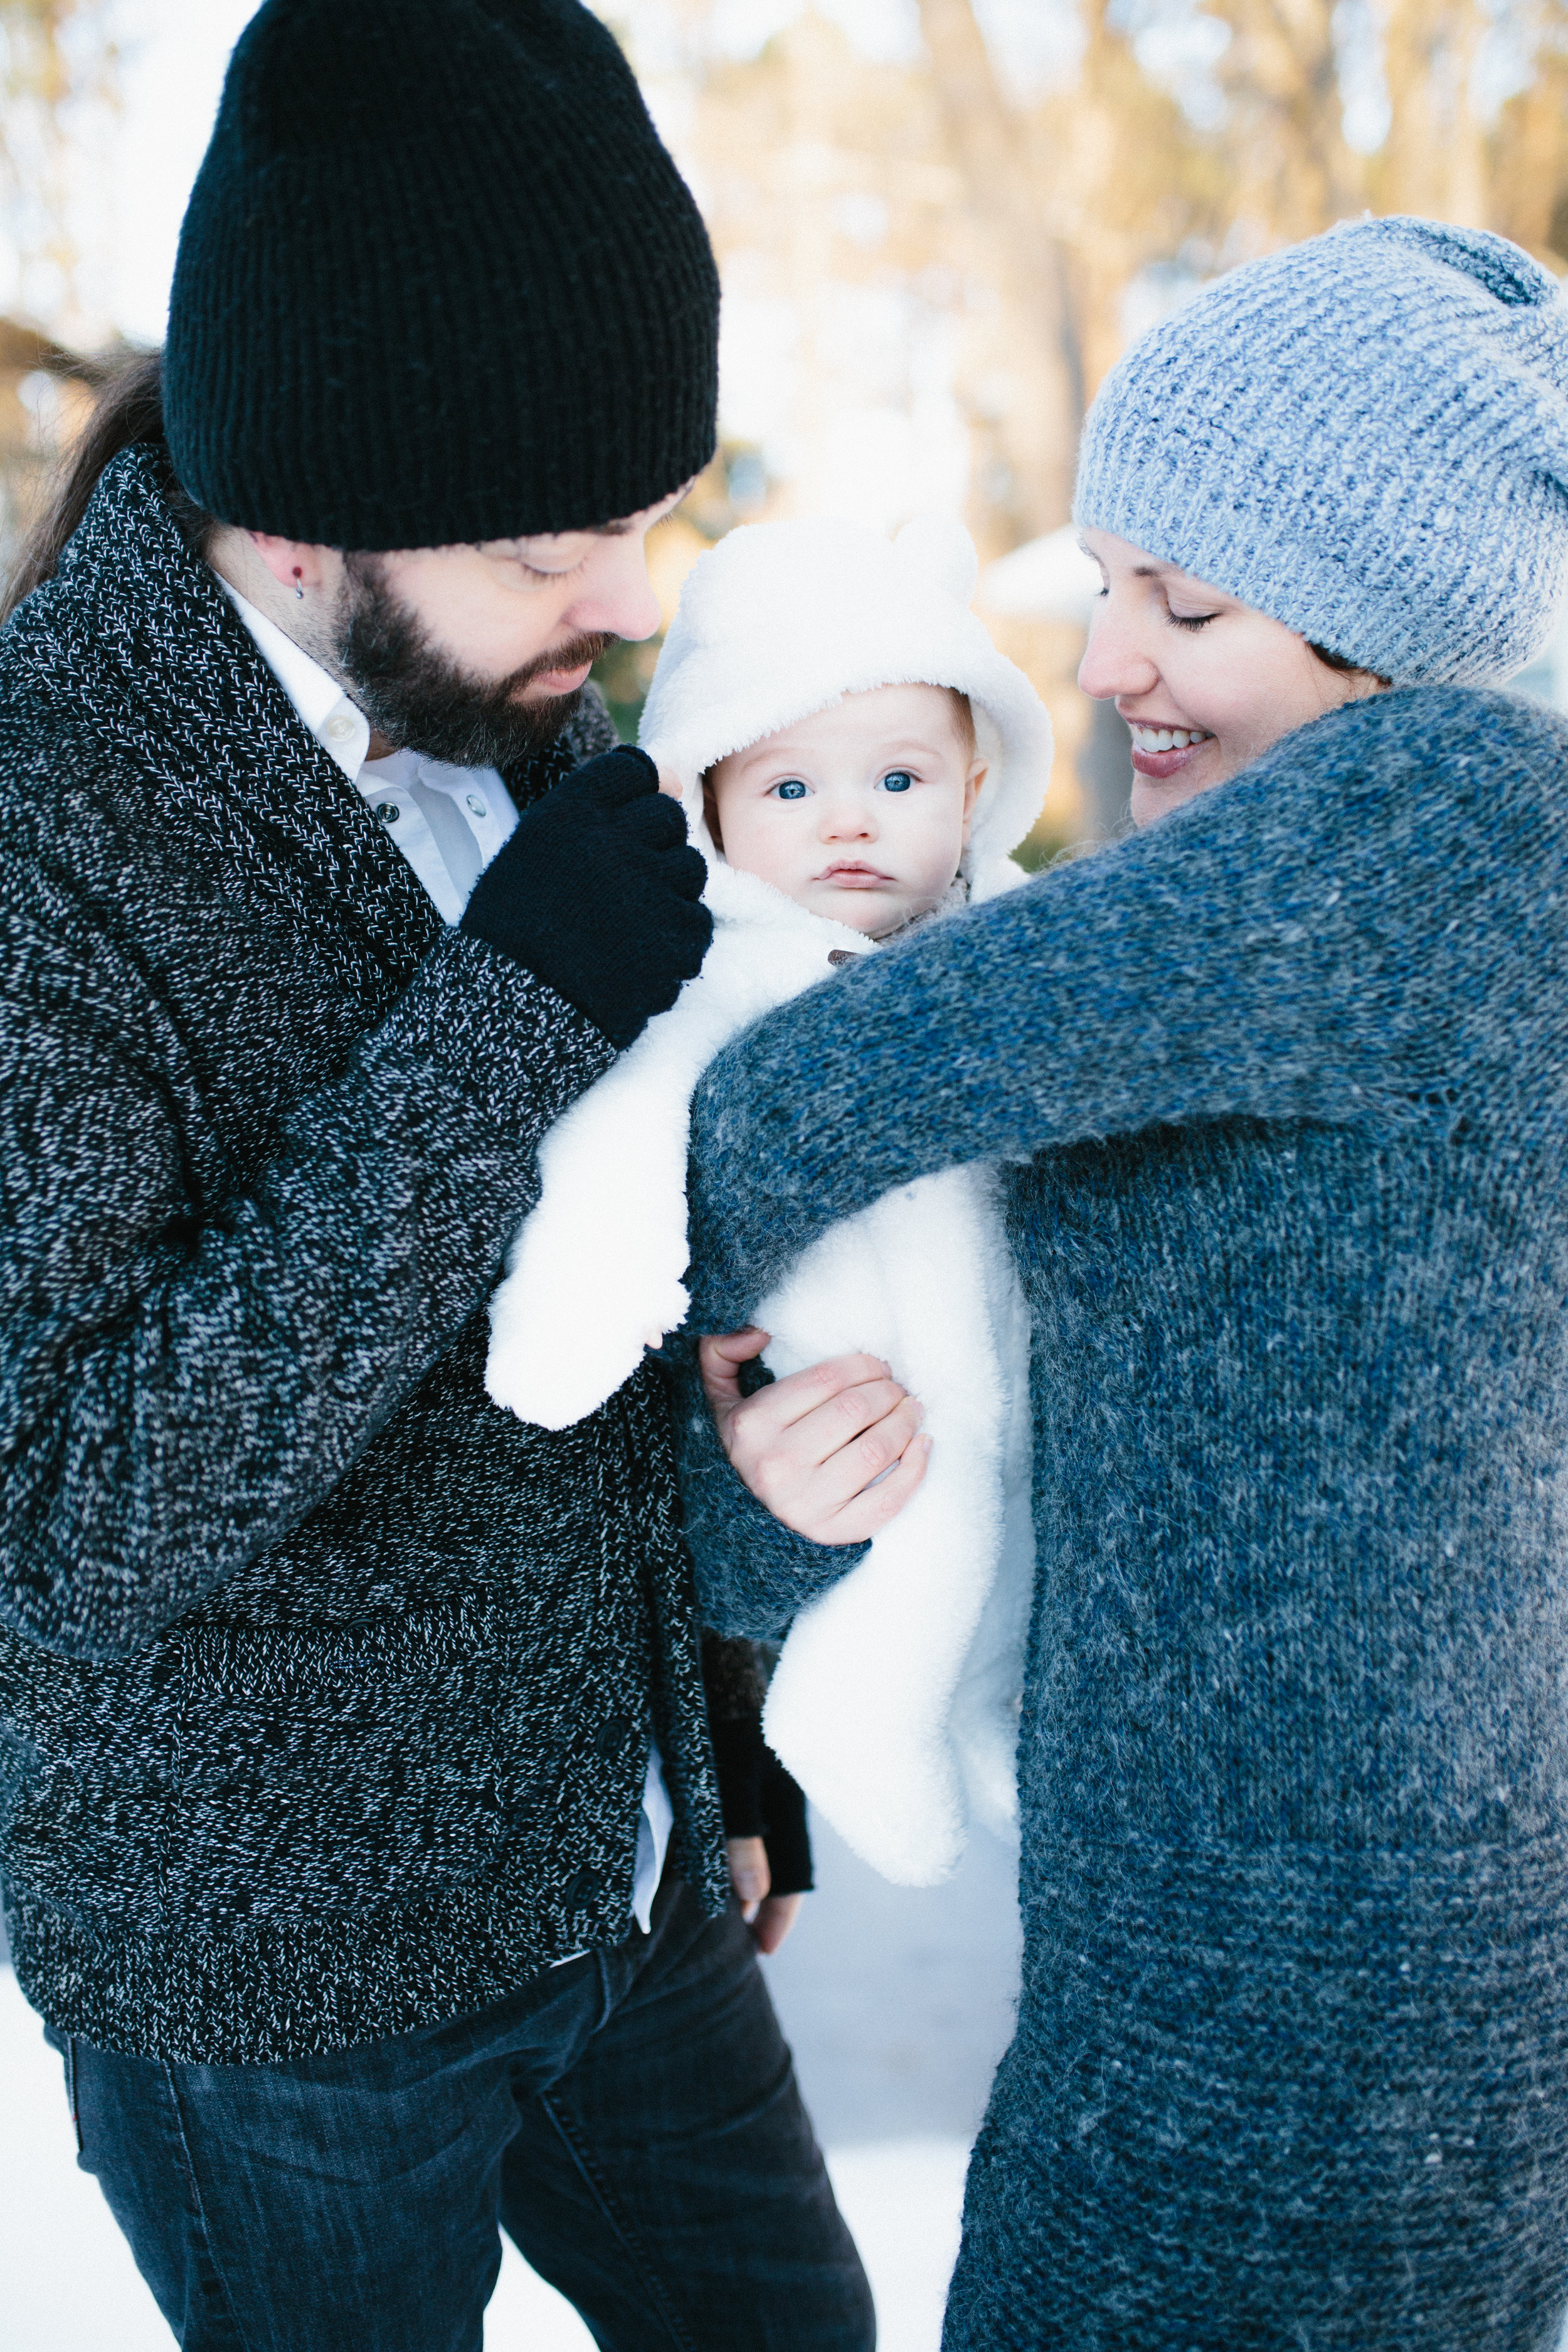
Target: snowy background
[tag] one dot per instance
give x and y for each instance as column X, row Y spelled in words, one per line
column 898, row 2005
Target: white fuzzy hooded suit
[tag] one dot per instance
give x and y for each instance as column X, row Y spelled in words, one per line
column 896, row 1697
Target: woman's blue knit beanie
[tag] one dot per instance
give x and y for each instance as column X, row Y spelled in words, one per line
column 1365, row 436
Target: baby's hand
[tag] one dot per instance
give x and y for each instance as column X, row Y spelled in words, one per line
column 833, row 1452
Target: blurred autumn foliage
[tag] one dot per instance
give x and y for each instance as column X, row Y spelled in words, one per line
column 921, row 241
column 930, row 255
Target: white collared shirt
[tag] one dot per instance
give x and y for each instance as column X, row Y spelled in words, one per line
column 448, row 823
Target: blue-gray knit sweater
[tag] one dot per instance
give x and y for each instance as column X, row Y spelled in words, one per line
column 1284, row 1086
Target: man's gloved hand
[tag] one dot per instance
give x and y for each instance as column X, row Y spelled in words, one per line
column 596, row 892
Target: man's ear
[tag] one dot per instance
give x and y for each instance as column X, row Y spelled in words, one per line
column 972, row 784
column 293, row 562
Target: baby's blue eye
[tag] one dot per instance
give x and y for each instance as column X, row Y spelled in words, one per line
column 898, row 780
column 791, row 790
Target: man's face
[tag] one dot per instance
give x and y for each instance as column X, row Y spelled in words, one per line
column 479, row 655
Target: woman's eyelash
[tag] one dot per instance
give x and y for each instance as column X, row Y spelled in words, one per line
column 1191, row 620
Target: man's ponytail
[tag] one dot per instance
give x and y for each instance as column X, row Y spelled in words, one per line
column 128, row 408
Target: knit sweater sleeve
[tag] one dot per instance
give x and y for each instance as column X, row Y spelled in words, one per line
column 1298, row 944
column 181, row 1385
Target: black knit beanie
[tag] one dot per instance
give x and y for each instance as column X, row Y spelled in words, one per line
column 438, row 281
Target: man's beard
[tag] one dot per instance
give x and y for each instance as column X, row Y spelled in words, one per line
column 422, row 701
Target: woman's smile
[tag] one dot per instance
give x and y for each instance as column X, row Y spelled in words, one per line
column 1161, row 751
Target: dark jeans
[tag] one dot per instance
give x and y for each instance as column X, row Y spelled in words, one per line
column 631, row 2119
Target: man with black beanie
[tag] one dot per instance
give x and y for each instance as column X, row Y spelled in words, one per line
column 345, row 1722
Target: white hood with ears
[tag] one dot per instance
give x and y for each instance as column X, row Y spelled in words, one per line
column 784, row 619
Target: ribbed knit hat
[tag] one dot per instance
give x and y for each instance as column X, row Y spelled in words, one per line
column 1365, row 436
column 438, row 281
column 784, row 619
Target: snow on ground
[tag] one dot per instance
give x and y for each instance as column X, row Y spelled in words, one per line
column 898, row 2005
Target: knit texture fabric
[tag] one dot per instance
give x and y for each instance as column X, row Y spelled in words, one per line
column 1280, row 1081
column 1365, row 436
column 325, row 1688
column 438, row 281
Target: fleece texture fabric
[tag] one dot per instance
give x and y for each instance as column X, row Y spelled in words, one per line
column 432, row 247
column 895, row 1703
column 1278, row 1090
column 784, row 619
column 326, row 1690
column 1365, row 436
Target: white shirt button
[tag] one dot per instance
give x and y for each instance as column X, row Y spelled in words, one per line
column 477, row 806
column 340, row 729
column 389, row 812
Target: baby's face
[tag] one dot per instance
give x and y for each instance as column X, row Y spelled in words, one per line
column 861, row 811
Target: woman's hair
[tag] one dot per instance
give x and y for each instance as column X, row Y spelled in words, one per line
column 1345, row 666
column 129, row 409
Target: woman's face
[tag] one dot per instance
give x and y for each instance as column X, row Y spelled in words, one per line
column 1204, row 683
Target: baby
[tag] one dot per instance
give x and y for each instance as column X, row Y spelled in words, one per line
column 855, row 757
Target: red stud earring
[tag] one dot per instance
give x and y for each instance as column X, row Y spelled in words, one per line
column 299, row 582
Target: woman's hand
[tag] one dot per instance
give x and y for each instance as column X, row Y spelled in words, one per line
column 834, row 1451
column 769, row 1916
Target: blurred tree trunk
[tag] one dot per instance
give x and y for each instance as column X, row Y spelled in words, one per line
column 1294, row 173
column 58, row 59
column 1528, row 155
column 1433, row 160
column 1005, row 185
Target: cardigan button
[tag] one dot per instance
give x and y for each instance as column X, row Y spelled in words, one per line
column 842, row 956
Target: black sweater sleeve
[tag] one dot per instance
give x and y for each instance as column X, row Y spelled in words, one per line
column 757, row 1796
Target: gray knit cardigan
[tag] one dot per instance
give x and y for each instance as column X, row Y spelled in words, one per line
column 1282, row 1086
column 325, row 1688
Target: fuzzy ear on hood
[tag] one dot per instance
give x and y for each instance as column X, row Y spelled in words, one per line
column 784, row 619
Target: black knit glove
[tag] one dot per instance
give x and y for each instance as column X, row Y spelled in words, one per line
column 596, row 893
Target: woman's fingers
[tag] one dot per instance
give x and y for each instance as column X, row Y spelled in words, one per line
column 832, row 1387
column 831, row 1451
column 869, row 1511
column 816, row 1459
column 836, row 1399
column 841, row 1466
